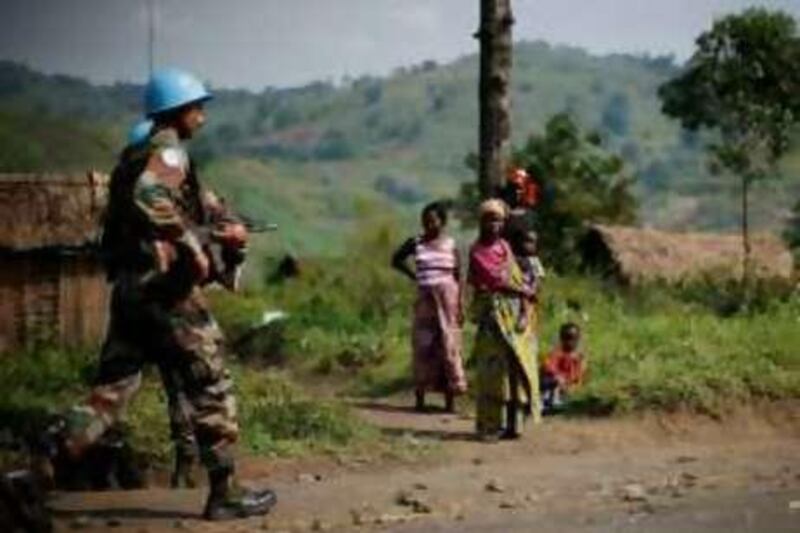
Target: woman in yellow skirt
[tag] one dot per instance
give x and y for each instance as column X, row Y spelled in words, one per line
column 506, row 386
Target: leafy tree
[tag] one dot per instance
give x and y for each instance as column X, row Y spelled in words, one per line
column 792, row 233
column 437, row 99
column 229, row 134
column 285, row 116
column 398, row 190
column 333, row 146
column 373, row 92
column 743, row 83
column 580, row 182
column 617, row 114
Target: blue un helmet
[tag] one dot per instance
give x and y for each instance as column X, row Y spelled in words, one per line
column 172, row 88
column 140, row 132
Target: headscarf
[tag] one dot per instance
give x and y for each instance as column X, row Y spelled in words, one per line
column 493, row 206
column 520, row 179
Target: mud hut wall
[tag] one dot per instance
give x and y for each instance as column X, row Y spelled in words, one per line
column 30, row 294
column 51, row 298
column 11, row 303
column 83, row 301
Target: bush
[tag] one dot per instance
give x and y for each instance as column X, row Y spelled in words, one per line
column 580, row 182
column 276, row 417
column 792, row 232
column 727, row 296
column 333, row 146
column 651, row 348
column 395, row 189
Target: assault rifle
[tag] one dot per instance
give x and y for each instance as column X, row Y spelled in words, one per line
column 226, row 259
column 256, row 226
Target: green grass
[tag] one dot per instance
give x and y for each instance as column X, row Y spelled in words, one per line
column 651, row 347
column 347, row 333
column 277, row 417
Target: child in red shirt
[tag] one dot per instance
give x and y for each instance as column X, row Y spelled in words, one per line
column 563, row 369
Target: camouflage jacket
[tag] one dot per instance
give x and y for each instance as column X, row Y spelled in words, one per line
column 156, row 200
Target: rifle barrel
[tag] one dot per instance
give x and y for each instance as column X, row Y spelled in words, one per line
column 260, row 228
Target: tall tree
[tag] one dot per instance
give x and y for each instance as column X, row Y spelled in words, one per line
column 743, row 82
column 580, row 181
column 792, row 232
column 616, row 116
column 495, row 77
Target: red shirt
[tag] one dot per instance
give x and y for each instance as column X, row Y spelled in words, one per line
column 567, row 367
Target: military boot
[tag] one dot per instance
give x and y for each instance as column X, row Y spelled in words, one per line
column 183, row 473
column 124, row 465
column 225, row 503
column 48, row 452
column 22, row 503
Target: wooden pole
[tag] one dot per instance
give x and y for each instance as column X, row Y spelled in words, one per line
column 495, row 39
column 151, row 36
column 746, row 247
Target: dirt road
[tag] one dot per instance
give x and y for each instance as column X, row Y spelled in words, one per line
column 655, row 473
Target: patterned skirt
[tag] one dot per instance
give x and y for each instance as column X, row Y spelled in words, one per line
column 436, row 339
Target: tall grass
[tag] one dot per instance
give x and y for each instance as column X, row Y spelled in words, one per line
column 347, row 316
column 348, row 330
column 277, row 417
column 649, row 348
column 652, row 347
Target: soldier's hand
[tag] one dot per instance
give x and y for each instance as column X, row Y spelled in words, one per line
column 165, row 255
column 231, row 234
column 202, row 266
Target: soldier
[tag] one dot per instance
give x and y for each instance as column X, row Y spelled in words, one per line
column 178, row 406
column 157, row 221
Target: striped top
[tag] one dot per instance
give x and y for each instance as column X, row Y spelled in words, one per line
column 436, row 261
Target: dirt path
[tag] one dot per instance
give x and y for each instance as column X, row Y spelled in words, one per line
column 655, row 473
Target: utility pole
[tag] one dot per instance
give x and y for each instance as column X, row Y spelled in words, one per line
column 151, row 36
column 495, row 39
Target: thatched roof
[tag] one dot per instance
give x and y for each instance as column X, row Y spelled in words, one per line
column 40, row 212
column 635, row 255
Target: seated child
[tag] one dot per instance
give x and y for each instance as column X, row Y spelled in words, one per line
column 563, row 369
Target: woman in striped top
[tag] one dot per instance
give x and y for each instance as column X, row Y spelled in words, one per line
column 436, row 334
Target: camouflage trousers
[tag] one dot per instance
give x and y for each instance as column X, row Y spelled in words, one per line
column 184, row 341
column 179, row 409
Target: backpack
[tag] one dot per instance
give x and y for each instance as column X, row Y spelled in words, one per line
column 118, row 220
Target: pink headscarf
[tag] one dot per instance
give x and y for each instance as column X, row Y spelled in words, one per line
column 488, row 265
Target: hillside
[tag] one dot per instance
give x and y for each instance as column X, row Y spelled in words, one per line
column 313, row 156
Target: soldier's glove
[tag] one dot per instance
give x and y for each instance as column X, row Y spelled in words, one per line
column 202, row 266
column 232, row 238
column 166, row 255
column 231, row 235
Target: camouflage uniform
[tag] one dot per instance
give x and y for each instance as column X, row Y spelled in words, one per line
column 158, row 313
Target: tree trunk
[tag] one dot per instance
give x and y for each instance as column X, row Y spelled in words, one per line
column 746, row 263
column 495, row 76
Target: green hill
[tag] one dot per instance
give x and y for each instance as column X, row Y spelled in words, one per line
column 312, row 156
